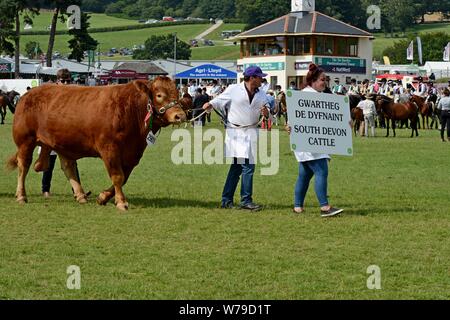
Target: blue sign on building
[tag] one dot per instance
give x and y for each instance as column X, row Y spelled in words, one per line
column 207, row 71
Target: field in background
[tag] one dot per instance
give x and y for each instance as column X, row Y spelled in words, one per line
column 223, row 50
column 121, row 39
column 42, row 21
column 383, row 41
column 174, row 242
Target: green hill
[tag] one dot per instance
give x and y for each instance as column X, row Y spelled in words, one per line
column 42, row 21
column 382, row 41
column 223, row 50
column 119, row 39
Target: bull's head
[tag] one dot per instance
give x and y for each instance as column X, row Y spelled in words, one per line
column 164, row 97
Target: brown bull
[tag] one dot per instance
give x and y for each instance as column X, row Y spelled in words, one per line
column 111, row 123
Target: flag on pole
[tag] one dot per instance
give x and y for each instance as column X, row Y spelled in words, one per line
column 447, row 53
column 91, row 59
column 419, row 49
column 410, row 51
column 36, row 50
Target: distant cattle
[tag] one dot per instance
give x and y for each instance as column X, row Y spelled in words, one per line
column 110, row 122
column 7, row 99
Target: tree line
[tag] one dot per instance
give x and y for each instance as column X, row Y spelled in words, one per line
column 14, row 14
column 396, row 15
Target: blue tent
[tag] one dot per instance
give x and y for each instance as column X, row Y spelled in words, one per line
column 207, row 71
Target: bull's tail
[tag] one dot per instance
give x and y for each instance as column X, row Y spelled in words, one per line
column 11, row 164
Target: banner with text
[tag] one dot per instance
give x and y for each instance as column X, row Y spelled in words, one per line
column 319, row 122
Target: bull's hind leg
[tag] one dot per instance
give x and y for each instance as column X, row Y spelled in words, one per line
column 69, row 168
column 43, row 162
column 24, row 158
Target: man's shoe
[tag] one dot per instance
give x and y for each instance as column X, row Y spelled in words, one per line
column 46, row 194
column 251, row 206
column 330, row 212
column 228, row 205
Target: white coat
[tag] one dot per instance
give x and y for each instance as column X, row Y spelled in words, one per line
column 240, row 142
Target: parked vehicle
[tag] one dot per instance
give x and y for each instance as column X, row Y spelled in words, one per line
column 193, row 43
column 207, row 42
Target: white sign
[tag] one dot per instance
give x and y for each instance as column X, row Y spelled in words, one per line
column 19, row 85
column 319, row 122
column 151, row 139
column 303, row 5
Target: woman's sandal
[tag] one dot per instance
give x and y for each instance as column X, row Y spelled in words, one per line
column 298, row 211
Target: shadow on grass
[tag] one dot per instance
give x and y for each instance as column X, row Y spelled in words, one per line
column 172, row 202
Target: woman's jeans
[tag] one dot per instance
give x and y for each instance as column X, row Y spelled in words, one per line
column 308, row 169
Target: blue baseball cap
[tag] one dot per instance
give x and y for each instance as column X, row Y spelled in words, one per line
column 254, row 71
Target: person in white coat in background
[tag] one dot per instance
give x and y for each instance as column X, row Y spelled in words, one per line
column 245, row 103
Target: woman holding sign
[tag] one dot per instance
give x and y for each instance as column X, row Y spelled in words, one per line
column 313, row 164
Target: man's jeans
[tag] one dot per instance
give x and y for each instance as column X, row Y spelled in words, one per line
column 239, row 167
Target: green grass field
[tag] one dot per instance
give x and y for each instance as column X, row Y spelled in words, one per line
column 119, row 39
column 381, row 42
column 174, row 242
column 221, row 51
column 43, row 20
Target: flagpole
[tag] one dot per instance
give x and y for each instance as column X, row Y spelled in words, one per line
column 175, row 58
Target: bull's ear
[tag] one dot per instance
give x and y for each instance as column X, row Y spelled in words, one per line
column 142, row 85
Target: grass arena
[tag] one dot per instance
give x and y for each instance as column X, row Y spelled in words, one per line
column 175, row 242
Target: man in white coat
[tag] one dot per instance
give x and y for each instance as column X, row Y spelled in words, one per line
column 246, row 103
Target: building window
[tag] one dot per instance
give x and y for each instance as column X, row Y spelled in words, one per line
column 270, row 46
column 353, row 47
column 324, row 45
column 299, row 46
column 341, row 46
column 273, row 82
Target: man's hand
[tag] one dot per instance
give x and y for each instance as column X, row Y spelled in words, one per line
column 207, row 106
column 288, row 128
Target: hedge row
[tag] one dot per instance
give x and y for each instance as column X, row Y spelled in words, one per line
column 120, row 28
column 233, row 20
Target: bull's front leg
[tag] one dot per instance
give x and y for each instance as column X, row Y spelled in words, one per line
column 108, row 194
column 113, row 164
column 70, row 170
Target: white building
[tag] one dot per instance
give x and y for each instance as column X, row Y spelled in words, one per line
column 284, row 47
column 441, row 69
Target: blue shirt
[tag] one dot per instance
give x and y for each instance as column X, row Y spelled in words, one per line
column 271, row 102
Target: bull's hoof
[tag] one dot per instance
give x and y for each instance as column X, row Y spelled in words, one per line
column 22, row 200
column 102, row 199
column 82, row 199
column 122, row 206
